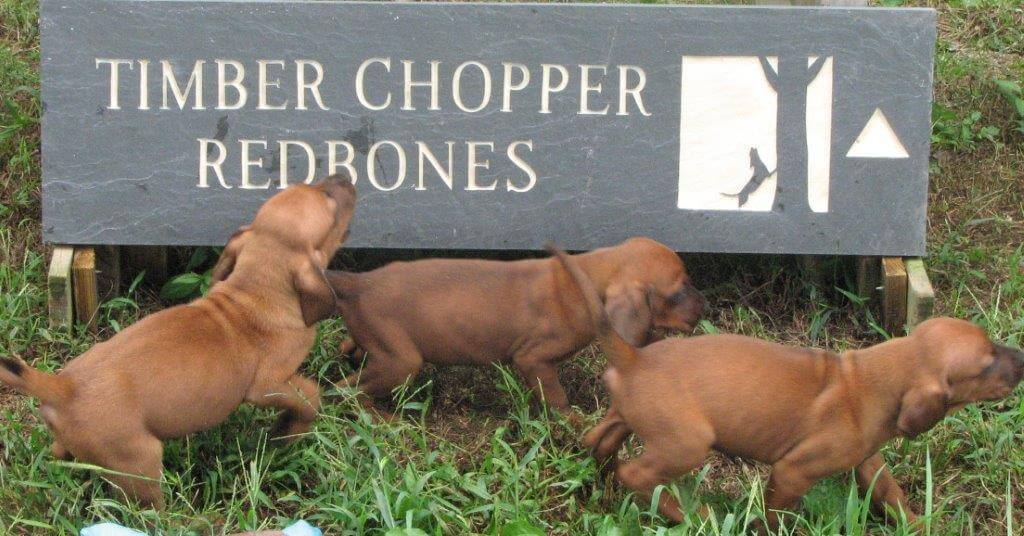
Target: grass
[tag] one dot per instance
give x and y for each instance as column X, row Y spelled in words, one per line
column 469, row 454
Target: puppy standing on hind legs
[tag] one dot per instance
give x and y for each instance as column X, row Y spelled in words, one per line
column 808, row 413
column 186, row 368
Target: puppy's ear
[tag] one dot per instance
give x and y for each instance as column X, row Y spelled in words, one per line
column 921, row 408
column 629, row 311
column 226, row 262
column 316, row 298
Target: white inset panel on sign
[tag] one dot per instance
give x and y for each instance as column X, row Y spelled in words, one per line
column 819, row 136
column 877, row 140
column 727, row 132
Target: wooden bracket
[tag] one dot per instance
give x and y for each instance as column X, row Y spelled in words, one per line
column 59, row 302
column 78, row 279
column 920, row 294
column 894, row 294
column 86, row 288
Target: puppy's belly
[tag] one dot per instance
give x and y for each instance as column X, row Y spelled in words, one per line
column 761, row 434
column 189, row 410
column 476, row 345
column 765, row 450
column 464, row 354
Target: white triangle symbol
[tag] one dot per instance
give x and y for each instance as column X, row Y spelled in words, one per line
column 877, row 140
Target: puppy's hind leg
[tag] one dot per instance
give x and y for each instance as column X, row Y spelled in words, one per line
column 384, row 371
column 610, row 444
column 347, row 346
column 352, row 353
column 137, row 463
column 299, row 399
column 604, row 440
column 670, row 456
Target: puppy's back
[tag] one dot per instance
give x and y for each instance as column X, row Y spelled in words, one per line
column 755, row 393
column 456, row 310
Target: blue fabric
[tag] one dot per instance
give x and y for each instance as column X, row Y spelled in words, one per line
column 301, row 528
column 109, row 529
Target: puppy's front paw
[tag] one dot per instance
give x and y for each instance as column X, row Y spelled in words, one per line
column 914, row 522
column 289, row 428
column 608, row 468
column 352, row 354
column 59, row 452
column 575, row 418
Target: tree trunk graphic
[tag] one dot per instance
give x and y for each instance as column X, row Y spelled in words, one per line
column 790, row 84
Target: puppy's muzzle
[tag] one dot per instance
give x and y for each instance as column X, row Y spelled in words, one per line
column 694, row 304
column 339, row 188
column 1014, row 372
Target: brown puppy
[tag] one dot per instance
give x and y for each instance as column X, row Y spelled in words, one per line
column 476, row 312
column 808, row 413
column 186, row 368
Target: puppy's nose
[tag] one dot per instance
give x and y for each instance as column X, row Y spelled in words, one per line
column 1017, row 358
column 337, row 186
column 1010, row 352
column 333, row 179
column 698, row 296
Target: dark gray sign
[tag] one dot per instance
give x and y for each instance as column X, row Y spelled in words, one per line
column 492, row 126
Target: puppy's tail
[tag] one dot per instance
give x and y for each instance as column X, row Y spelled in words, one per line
column 48, row 388
column 619, row 352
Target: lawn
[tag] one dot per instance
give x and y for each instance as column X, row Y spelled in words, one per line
column 470, row 454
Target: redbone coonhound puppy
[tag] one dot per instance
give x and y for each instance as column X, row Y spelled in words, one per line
column 476, row 312
column 184, row 369
column 808, row 413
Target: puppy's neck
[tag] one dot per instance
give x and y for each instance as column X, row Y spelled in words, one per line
column 882, row 374
column 885, row 361
column 263, row 282
column 599, row 267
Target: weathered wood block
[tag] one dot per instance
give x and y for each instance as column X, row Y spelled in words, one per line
column 86, row 288
column 894, row 295
column 920, row 294
column 59, row 300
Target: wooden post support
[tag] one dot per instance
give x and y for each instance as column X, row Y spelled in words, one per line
column 894, row 298
column 108, row 271
column 86, row 289
column 812, row 264
column 152, row 259
column 868, row 273
column 920, row 294
column 58, row 287
column 814, row 269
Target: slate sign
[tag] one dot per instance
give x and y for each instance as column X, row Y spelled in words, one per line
column 492, row 126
